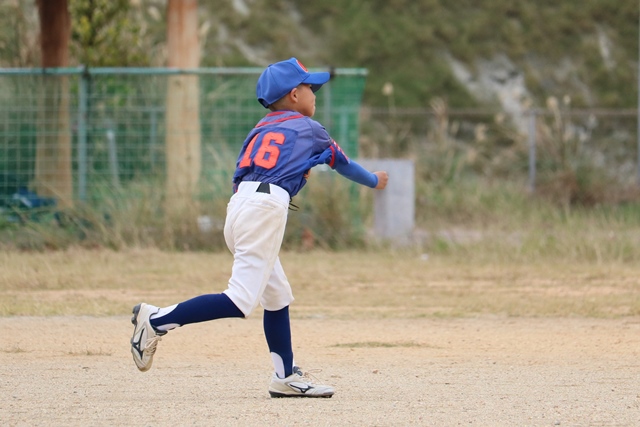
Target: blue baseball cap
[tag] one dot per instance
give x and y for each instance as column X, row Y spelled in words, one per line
column 280, row 78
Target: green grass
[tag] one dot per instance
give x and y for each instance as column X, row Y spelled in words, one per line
column 339, row 284
column 475, row 220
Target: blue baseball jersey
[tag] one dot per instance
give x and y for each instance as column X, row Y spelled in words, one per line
column 282, row 148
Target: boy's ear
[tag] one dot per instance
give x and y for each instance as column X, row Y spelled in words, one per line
column 293, row 94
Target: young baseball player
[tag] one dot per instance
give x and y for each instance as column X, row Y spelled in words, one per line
column 273, row 165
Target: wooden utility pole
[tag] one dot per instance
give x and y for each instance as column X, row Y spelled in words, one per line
column 53, row 174
column 183, row 108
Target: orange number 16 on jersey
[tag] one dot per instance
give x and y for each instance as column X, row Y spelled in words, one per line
column 268, row 153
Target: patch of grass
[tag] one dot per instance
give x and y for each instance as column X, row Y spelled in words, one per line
column 379, row 344
column 90, row 352
column 14, row 350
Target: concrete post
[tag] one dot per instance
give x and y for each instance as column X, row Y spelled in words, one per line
column 394, row 207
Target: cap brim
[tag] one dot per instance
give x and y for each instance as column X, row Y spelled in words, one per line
column 316, row 80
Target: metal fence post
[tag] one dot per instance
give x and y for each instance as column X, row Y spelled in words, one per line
column 532, row 150
column 153, row 136
column 82, row 135
column 328, row 110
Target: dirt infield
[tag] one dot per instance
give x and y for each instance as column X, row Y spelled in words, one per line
column 486, row 371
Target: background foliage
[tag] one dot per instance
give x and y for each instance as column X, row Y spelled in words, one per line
column 471, row 171
column 107, row 33
column 583, row 48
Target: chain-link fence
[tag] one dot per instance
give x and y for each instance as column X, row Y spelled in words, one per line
column 108, row 128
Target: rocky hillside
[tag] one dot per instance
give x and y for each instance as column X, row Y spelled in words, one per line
column 486, row 51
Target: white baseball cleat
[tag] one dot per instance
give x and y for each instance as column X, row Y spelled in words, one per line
column 298, row 384
column 145, row 337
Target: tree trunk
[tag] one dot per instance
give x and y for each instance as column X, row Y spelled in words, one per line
column 183, row 109
column 53, row 169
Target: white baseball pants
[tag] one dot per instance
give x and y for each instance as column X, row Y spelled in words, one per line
column 253, row 230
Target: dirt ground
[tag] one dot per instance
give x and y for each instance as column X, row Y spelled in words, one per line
column 489, row 371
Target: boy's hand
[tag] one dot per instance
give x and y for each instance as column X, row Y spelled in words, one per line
column 383, row 178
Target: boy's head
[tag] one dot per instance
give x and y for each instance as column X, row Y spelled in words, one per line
column 278, row 79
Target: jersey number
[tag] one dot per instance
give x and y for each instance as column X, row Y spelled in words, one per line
column 268, row 153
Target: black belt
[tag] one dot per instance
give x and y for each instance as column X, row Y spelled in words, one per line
column 264, row 188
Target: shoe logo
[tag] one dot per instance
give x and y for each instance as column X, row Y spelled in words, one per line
column 136, row 344
column 301, row 387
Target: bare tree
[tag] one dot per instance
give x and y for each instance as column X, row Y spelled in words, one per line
column 53, row 175
column 183, row 110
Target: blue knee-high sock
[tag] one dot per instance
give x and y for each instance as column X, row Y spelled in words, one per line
column 277, row 331
column 198, row 309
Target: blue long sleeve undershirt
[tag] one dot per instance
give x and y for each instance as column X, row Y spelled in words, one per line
column 357, row 173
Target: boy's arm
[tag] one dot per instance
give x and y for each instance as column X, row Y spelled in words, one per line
column 346, row 167
column 355, row 172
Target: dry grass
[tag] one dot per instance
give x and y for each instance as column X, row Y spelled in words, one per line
column 338, row 284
